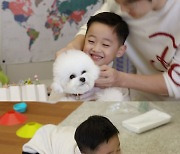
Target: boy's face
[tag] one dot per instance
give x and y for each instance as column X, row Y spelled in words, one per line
column 136, row 8
column 101, row 43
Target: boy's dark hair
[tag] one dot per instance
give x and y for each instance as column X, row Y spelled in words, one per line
column 132, row 1
column 94, row 131
column 112, row 20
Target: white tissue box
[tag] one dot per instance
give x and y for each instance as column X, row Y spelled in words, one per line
column 30, row 92
column 42, row 92
column 146, row 121
column 4, row 94
column 15, row 93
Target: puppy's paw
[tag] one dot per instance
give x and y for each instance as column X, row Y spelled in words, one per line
column 57, row 87
column 110, row 94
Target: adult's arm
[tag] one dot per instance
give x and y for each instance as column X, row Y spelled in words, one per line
column 76, row 43
column 110, row 77
column 172, row 76
column 167, row 83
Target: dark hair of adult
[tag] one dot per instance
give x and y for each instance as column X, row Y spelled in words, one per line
column 94, row 131
column 112, row 20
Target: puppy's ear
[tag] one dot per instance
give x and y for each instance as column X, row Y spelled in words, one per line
column 57, row 87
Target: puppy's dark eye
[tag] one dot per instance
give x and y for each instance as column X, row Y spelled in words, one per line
column 83, row 72
column 72, row 76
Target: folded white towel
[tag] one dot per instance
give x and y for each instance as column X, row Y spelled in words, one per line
column 52, row 139
column 146, row 121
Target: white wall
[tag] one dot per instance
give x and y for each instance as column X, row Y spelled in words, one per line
column 0, row 37
column 17, row 72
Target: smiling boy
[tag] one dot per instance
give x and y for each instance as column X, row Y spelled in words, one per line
column 105, row 37
column 104, row 41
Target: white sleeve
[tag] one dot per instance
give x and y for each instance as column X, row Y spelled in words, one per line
column 172, row 76
column 41, row 141
column 52, row 139
column 104, row 8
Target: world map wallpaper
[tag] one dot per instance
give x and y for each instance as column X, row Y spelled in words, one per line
column 34, row 30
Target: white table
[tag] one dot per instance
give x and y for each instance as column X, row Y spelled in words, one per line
column 162, row 140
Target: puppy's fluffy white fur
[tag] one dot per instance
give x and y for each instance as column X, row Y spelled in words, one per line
column 74, row 73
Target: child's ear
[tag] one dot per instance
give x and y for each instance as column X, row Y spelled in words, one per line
column 121, row 51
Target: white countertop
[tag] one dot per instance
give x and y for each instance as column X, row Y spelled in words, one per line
column 162, row 140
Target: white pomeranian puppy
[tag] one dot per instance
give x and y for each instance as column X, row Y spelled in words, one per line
column 74, row 74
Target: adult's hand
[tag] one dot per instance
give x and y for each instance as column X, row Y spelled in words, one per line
column 109, row 77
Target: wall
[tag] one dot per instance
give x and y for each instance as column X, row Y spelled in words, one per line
column 17, row 72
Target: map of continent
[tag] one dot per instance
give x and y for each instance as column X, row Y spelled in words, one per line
column 67, row 11
column 36, row 19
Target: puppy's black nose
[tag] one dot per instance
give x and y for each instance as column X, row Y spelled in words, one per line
column 82, row 79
